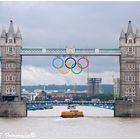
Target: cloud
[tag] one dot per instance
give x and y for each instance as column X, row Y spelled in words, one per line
column 58, row 24
column 32, row 75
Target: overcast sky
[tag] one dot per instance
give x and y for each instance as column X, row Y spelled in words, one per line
column 60, row 24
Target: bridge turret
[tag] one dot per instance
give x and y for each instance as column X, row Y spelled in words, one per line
column 130, row 35
column 18, row 37
column 11, row 33
column 3, row 37
column 129, row 29
column 122, row 38
column 137, row 37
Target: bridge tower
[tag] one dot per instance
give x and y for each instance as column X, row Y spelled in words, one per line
column 130, row 64
column 11, row 44
column 129, row 105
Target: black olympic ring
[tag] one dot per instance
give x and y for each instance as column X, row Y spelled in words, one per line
column 73, row 65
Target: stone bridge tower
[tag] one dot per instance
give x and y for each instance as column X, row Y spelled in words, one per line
column 129, row 75
column 11, row 44
column 130, row 63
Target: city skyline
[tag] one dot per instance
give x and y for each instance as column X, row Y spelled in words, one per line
column 60, row 24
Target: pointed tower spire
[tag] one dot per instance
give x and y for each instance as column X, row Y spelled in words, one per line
column 3, row 34
column 137, row 34
column 11, row 29
column 18, row 34
column 122, row 36
column 129, row 29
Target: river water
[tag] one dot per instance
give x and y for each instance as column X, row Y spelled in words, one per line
column 97, row 123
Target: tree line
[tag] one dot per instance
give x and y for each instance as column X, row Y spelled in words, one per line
column 102, row 97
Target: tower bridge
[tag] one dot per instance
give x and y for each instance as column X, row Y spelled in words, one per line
column 11, row 61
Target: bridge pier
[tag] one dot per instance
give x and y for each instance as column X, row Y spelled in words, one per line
column 13, row 109
column 127, row 109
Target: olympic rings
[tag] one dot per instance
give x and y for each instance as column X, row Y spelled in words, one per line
column 87, row 61
column 80, row 66
column 71, row 67
column 53, row 62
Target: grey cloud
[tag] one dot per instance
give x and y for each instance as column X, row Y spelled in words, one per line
column 58, row 24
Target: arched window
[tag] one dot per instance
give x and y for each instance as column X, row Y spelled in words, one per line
column 10, row 90
column 10, row 40
column 127, row 89
column 130, row 41
column 10, row 49
column 10, row 78
column 130, row 77
column 7, row 78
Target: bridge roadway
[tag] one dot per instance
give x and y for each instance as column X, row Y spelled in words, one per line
column 71, row 102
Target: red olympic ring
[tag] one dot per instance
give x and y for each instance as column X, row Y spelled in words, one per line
column 87, row 61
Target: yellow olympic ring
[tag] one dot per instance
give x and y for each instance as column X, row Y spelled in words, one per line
column 60, row 70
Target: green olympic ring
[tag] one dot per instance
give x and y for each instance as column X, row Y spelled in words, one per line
column 80, row 66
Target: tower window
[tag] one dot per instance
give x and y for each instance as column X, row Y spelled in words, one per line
column 131, row 65
column 10, row 49
column 130, row 50
column 130, row 91
column 127, row 89
column 10, row 65
column 10, row 40
column 7, row 78
column 10, row 89
column 10, row 78
column 130, row 40
column 133, row 89
column 130, row 77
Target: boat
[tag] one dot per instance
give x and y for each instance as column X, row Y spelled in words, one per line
column 31, row 107
column 72, row 114
column 39, row 107
column 48, row 107
column 71, row 107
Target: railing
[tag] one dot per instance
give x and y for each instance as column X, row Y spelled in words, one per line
column 69, row 102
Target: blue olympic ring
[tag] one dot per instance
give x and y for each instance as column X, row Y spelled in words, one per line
column 60, row 60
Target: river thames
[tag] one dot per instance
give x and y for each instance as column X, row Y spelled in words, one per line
column 97, row 123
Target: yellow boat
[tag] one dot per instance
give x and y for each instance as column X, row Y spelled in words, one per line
column 72, row 114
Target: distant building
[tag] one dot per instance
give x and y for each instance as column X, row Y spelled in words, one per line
column 95, row 100
column 56, row 95
column 75, row 93
column 28, row 96
column 93, row 86
column 116, row 87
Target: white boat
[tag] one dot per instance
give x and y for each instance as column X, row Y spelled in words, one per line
column 71, row 106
